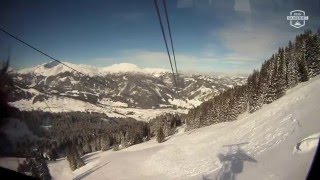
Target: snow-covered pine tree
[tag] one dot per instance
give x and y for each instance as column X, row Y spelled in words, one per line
column 254, row 95
column 74, row 158
column 224, row 107
column 214, row 113
column 231, row 112
column 242, row 98
column 238, row 102
column 318, row 52
column 311, row 53
column 35, row 166
column 43, row 170
column 281, row 74
column 208, row 115
column 292, row 66
column 272, row 89
column 105, row 142
column 263, row 81
column 160, row 135
column 86, row 146
column 218, row 108
column 300, row 51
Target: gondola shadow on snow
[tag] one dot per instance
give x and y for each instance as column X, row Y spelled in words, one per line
column 232, row 162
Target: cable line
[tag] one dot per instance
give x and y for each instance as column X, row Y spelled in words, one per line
column 165, row 41
column 168, row 23
column 45, row 54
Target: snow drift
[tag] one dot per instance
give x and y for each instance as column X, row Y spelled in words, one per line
column 307, row 144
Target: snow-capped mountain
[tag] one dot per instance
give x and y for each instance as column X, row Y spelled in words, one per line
column 124, row 87
column 54, row 68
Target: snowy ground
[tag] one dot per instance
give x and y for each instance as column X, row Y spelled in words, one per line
column 59, row 104
column 269, row 139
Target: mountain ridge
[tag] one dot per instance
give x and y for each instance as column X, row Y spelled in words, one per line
column 130, row 89
column 54, row 68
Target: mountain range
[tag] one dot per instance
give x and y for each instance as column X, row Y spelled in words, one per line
column 117, row 90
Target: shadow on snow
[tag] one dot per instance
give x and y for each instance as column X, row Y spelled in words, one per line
column 232, row 162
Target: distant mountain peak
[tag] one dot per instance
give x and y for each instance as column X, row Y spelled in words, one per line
column 121, row 67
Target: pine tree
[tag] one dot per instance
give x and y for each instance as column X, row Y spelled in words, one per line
column 42, row 168
column 35, row 166
column 74, row 158
column 105, row 142
column 292, row 66
column 274, row 81
column 311, row 54
column 316, row 61
column 160, row 135
column 255, row 99
column 318, row 52
column 281, row 74
column 303, row 72
column 263, row 82
column 302, row 65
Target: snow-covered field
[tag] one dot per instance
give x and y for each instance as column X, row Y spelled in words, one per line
column 268, row 139
column 61, row 104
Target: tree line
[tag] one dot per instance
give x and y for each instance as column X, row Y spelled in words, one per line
column 74, row 134
column 297, row 62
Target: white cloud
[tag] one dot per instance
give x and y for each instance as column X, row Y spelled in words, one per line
column 235, row 46
column 253, row 42
column 185, row 62
column 148, row 59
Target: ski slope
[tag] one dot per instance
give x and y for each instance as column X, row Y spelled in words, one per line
column 267, row 139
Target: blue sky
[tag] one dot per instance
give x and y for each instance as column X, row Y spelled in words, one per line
column 209, row 35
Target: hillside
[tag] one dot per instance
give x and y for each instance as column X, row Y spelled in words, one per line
column 290, row 65
column 119, row 90
column 268, row 138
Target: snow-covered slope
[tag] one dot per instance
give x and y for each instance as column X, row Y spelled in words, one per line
column 265, row 141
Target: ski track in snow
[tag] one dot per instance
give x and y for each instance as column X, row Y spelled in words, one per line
column 187, row 157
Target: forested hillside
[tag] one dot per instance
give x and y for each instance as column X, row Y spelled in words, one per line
column 297, row 62
column 77, row 133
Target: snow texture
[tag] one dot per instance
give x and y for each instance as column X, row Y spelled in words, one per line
column 307, row 144
column 265, row 140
